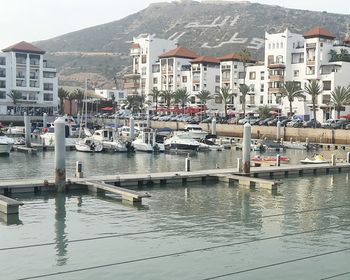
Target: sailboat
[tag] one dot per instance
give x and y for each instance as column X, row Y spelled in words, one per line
column 87, row 144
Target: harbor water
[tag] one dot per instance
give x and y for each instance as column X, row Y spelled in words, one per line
column 194, row 231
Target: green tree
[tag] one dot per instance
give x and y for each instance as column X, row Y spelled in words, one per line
column 264, row 111
column 167, row 96
column 314, row 89
column 226, row 95
column 333, row 53
column 292, row 90
column 340, row 97
column 15, row 96
column 182, row 96
column 79, row 96
column 62, row 95
column 244, row 89
column 245, row 58
column 134, row 103
column 203, row 97
column 155, row 95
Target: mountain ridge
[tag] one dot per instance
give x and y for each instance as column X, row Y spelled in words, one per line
column 209, row 28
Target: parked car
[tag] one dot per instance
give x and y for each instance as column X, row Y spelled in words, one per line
column 340, row 124
column 285, row 122
column 328, row 123
column 295, row 123
column 274, row 121
column 312, row 123
column 265, row 121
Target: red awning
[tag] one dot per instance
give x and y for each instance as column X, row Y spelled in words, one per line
column 107, row 108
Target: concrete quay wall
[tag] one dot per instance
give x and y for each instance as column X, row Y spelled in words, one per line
column 318, row 135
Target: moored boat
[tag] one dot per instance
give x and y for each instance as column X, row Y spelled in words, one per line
column 6, row 144
column 316, row 159
column 181, row 141
column 269, row 158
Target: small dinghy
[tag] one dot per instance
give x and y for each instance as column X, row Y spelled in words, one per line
column 317, row 159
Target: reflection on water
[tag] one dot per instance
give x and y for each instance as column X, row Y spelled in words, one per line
column 60, row 226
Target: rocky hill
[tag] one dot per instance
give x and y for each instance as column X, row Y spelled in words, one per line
column 208, row 27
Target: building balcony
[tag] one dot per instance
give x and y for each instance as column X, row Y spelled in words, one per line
column 275, row 90
column 311, row 46
column 276, row 65
column 131, row 85
column 135, row 52
column 196, row 81
column 133, row 76
column 225, row 80
column 196, row 69
column 310, row 62
column 276, row 78
column 225, row 67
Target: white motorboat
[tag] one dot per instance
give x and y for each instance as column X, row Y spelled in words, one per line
column 181, row 141
column 88, row 145
column 195, row 131
column 48, row 138
column 295, row 145
column 146, row 142
column 317, row 159
column 125, row 132
column 6, row 144
column 110, row 141
column 209, row 145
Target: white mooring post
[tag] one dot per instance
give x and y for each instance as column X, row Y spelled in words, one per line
column 188, row 163
column 213, row 126
column 60, row 153
column 44, row 120
column 239, row 165
column 247, row 135
column 334, row 160
column 278, row 160
column 116, row 122
column 348, row 157
column 278, row 133
column 27, row 128
column 148, row 120
column 132, row 128
column 79, row 169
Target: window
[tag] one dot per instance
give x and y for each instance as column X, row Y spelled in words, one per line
column 261, row 99
column 217, row 79
column 34, row 74
column 49, row 74
column 296, row 73
column 277, row 45
column 252, row 75
column 143, row 70
column 297, row 58
column 193, row 99
column 269, row 46
column 34, row 59
column 2, row 60
column 144, row 59
column 184, row 79
column 241, row 75
column 48, row 86
column 218, row 99
column 262, row 87
column 120, row 95
column 217, row 89
column 281, row 45
column 21, row 58
column 155, row 80
column 2, row 73
column 327, row 85
column 2, row 94
column 2, row 84
column 48, row 97
column 252, row 87
column 35, row 84
column 155, row 68
column 235, row 66
column 262, row 75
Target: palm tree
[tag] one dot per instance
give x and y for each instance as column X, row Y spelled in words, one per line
column 134, row 102
column 245, row 58
column 113, row 101
column 314, row 89
column 167, row 96
column 333, row 53
column 244, row 89
column 204, row 96
column 340, row 97
column 79, row 96
column 62, row 95
column 264, row 111
column 226, row 94
column 181, row 96
column 155, row 93
column 291, row 90
column 15, row 96
column 71, row 97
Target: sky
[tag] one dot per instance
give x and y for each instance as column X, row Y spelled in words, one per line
column 34, row 20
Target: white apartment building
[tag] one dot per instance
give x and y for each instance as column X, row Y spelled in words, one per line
column 119, row 95
column 302, row 58
column 144, row 51
column 24, row 70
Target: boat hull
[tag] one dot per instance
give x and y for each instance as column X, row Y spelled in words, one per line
column 5, row 149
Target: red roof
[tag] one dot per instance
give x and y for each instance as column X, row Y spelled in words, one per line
column 24, row 47
column 135, row 46
column 234, row 57
column 319, row 32
column 180, row 52
column 206, row 59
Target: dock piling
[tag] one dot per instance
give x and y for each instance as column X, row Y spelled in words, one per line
column 278, row 160
column 188, row 163
column 348, row 157
column 44, row 120
column 239, row 165
column 247, row 135
column 333, row 160
column 132, row 128
column 79, row 170
column 27, row 128
column 60, row 153
column 278, row 133
column 213, row 126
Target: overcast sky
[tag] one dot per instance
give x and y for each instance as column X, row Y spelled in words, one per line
column 33, row 20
